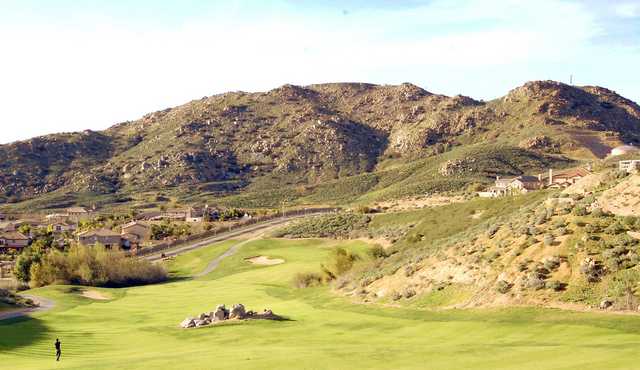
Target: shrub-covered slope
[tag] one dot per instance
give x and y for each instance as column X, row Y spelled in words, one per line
column 243, row 143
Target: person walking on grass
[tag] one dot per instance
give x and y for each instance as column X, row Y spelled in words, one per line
column 58, row 349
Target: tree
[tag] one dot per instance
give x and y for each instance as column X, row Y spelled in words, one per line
column 25, row 229
column 29, row 257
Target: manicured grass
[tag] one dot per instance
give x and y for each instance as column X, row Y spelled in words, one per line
column 137, row 329
column 196, row 261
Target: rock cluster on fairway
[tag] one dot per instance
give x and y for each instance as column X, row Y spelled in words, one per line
column 221, row 314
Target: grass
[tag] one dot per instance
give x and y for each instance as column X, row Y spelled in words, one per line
column 196, row 261
column 138, row 327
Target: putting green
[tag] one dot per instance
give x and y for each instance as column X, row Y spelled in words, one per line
column 138, row 328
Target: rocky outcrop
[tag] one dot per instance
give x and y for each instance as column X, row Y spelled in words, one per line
column 222, row 314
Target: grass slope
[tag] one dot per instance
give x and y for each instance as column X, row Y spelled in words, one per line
column 138, row 328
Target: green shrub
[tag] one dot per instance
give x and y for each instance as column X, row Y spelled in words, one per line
column 503, row 286
column 340, row 262
column 554, row 285
column 614, row 229
column 579, row 210
column 378, row 251
column 548, row 240
column 551, row 263
column 307, row 279
column 408, row 293
column 340, row 225
column 94, row 266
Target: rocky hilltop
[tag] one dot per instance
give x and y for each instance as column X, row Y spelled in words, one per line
column 310, row 135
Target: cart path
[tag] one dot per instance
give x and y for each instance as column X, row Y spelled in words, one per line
column 44, row 304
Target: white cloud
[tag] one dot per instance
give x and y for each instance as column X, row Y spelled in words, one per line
column 628, row 10
column 96, row 73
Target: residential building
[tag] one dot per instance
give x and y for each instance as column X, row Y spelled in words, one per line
column 141, row 231
column 77, row 213
column 106, row 237
column 566, row 178
column 194, row 215
column 13, row 240
column 632, row 165
column 525, row 184
column 61, row 227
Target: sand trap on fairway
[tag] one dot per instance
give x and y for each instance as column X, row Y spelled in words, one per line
column 264, row 260
column 94, row 294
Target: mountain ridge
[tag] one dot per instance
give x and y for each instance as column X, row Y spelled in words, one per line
column 313, row 134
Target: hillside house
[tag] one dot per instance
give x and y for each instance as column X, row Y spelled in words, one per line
column 525, row 184
column 141, row 231
column 566, row 178
column 77, row 213
column 13, row 240
column 56, row 217
column 630, row 166
column 194, row 215
column 106, row 237
column 513, row 185
column 172, row 214
column 61, row 227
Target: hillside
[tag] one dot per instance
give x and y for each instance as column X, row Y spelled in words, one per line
column 576, row 249
column 291, row 143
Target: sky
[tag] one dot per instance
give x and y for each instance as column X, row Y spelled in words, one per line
column 68, row 65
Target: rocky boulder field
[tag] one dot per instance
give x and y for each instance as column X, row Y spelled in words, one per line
column 222, row 314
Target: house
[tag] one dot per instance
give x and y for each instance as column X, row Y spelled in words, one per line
column 525, row 184
column 566, row 178
column 56, row 217
column 194, row 215
column 172, row 214
column 61, row 227
column 511, row 185
column 106, row 237
column 493, row 192
column 77, row 213
column 630, row 166
column 141, row 231
column 13, row 240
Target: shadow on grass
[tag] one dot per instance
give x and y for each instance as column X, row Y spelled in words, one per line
column 20, row 332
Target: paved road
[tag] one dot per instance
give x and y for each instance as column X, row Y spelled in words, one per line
column 183, row 248
column 44, row 304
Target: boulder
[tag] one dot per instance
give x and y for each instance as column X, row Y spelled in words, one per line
column 188, row 323
column 605, row 304
column 221, row 313
column 237, row 312
column 199, row 323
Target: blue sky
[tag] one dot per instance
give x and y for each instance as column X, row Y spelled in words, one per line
column 70, row 65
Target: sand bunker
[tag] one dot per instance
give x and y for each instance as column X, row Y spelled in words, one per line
column 264, row 260
column 94, row 294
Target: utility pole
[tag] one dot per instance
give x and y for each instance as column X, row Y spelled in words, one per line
column 570, row 79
